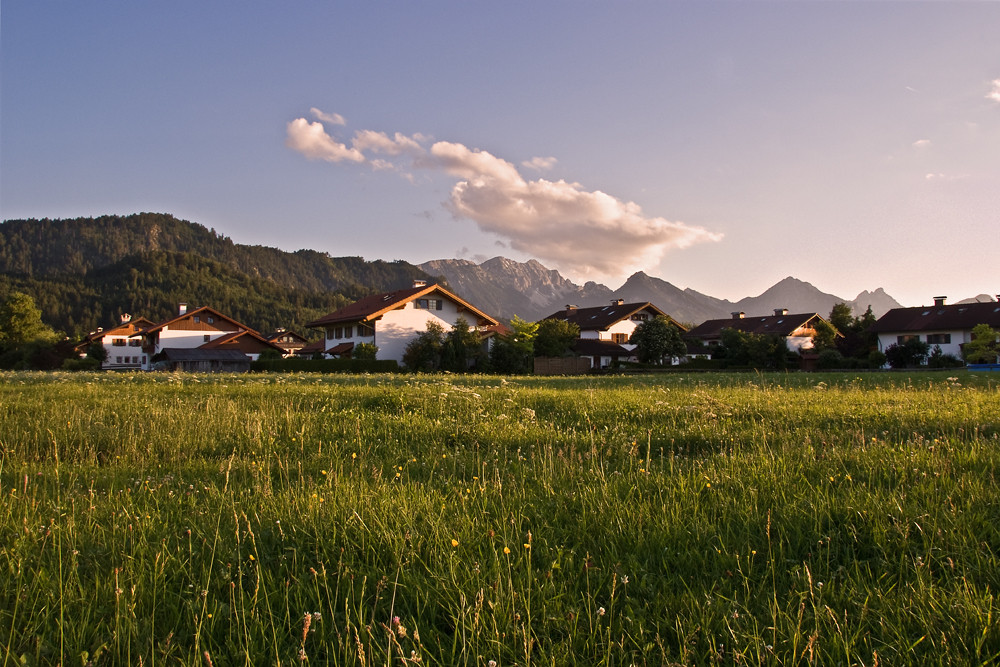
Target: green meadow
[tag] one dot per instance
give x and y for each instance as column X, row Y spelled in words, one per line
column 736, row 519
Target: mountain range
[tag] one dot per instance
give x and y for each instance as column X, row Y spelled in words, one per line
column 84, row 272
column 531, row 291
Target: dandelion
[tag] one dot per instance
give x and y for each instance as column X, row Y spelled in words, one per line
column 506, row 550
column 454, row 543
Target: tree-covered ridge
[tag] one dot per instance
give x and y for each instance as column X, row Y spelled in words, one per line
column 83, row 273
column 78, row 246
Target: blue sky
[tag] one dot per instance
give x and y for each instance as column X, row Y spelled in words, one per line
column 719, row 146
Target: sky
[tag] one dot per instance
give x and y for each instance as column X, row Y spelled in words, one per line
column 720, row 146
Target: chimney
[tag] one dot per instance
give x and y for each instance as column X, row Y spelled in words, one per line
column 182, row 309
column 419, row 283
column 998, row 298
column 617, row 302
column 939, row 300
column 738, row 315
column 126, row 318
column 570, row 306
column 780, row 311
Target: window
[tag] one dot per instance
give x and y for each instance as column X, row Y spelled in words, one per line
column 365, row 330
column 421, row 303
column 118, row 360
column 197, row 318
column 619, row 338
column 134, row 342
column 902, row 339
column 938, row 339
column 210, row 319
column 118, row 342
column 207, row 338
column 348, row 332
column 640, row 317
column 338, row 332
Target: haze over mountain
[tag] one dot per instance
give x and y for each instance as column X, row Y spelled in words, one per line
column 531, row 291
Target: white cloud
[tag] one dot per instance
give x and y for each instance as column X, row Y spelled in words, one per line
column 995, row 93
column 540, row 163
column 311, row 140
column 922, row 143
column 332, row 118
column 380, row 142
column 585, row 233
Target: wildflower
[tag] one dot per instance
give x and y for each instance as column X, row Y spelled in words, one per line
column 506, row 550
column 624, row 580
column 322, row 472
column 600, row 611
column 454, row 543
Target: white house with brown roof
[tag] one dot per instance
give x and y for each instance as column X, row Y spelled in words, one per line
column 202, row 328
column 605, row 330
column 392, row 319
column 123, row 352
column 797, row 329
column 947, row 326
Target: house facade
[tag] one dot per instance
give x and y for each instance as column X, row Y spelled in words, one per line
column 123, row 352
column 202, row 328
column 946, row 326
column 605, row 330
column 289, row 341
column 797, row 329
column 392, row 319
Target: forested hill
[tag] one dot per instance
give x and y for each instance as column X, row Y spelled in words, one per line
column 84, row 272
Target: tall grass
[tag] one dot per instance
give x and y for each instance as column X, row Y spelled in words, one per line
column 370, row 520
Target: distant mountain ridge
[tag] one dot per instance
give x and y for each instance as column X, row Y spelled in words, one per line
column 84, row 272
column 532, row 291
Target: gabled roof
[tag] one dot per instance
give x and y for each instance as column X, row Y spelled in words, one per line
column 341, row 348
column 273, row 336
column 191, row 313
column 372, row 307
column 601, row 318
column 955, row 317
column 232, row 338
column 130, row 327
column 780, row 325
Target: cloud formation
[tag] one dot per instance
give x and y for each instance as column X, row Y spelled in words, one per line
column 586, row 233
column 311, row 140
column 922, row 143
column 994, row 94
column 540, row 163
column 332, row 118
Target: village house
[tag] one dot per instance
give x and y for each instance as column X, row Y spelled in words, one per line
column 946, row 326
column 605, row 330
column 797, row 330
column 122, row 352
column 205, row 329
column 393, row 319
column 289, row 341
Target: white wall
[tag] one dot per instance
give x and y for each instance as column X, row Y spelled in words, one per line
column 953, row 348
column 132, row 350
column 398, row 327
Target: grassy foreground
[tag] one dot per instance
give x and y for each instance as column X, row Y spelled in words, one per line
column 438, row 520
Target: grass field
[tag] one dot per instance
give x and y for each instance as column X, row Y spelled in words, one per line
column 442, row 520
